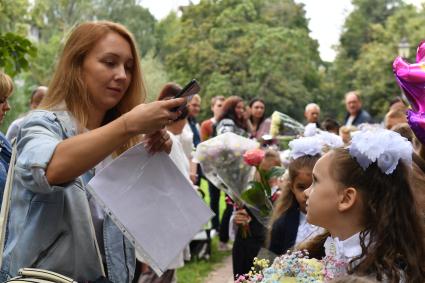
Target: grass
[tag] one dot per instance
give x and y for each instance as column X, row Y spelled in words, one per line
column 196, row 271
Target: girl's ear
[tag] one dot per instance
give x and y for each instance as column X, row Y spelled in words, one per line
column 347, row 199
column 291, row 186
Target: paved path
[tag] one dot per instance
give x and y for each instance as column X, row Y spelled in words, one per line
column 223, row 273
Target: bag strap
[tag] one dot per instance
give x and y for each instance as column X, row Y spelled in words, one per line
column 67, row 123
column 45, row 274
column 5, row 206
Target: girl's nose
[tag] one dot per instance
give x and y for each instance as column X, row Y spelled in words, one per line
column 6, row 106
column 307, row 192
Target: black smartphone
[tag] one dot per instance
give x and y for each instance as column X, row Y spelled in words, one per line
column 188, row 91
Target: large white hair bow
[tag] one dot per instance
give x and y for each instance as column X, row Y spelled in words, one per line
column 314, row 145
column 382, row 146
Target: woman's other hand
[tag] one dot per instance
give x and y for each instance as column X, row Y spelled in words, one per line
column 158, row 141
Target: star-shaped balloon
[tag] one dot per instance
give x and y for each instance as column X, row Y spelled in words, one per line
column 411, row 79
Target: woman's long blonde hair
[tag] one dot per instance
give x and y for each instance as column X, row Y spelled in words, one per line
column 68, row 86
column 6, row 84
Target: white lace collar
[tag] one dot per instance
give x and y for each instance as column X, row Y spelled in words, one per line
column 306, row 230
column 346, row 249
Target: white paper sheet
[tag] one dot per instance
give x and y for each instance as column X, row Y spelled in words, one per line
column 152, row 203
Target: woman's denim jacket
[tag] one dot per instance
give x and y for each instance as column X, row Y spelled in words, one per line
column 50, row 227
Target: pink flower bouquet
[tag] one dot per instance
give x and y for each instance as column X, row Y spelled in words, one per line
column 259, row 193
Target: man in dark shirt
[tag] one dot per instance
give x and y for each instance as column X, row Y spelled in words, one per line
column 355, row 114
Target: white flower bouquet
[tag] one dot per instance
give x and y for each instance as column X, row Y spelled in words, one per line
column 222, row 161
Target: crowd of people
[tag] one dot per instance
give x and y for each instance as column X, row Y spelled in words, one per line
column 93, row 110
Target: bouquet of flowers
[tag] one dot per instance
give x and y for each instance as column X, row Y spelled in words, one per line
column 283, row 125
column 224, row 164
column 294, row 267
column 259, row 193
column 221, row 159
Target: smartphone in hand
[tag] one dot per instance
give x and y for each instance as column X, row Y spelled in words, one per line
column 188, row 91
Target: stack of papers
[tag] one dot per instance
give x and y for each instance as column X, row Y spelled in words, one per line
column 154, row 205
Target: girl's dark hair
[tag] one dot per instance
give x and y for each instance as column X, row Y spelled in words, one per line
column 170, row 90
column 330, row 124
column 391, row 217
column 396, row 100
column 264, row 114
column 228, row 112
column 287, row 198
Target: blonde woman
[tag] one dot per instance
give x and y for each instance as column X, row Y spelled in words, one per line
column 6, row 89
column 93, row 109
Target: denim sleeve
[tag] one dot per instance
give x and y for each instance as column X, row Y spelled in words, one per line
column 40, row 133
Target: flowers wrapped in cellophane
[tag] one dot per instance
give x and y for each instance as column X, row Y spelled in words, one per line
column 283, row 125
column 260, row 192
column 222, row 163
column 294, row 267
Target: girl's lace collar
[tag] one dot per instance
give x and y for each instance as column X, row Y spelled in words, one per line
column 346, row 249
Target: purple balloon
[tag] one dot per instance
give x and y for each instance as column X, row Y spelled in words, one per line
column 411, row 79
column 417, row 124
column 420, row 54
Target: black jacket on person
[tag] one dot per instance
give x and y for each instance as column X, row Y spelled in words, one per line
column 246, row 248
column 284, row 231
column 362, row 117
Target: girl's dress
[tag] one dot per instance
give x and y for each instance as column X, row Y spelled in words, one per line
column 290, row 229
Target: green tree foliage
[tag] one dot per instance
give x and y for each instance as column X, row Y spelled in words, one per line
column 154, row 75
column 51, row 17
column 368, row 45
column 52, row 20
column 373, row 70
column 135, row 17
column 246, row 48
column 358, row 26
column 13, row 16
column 43, row 65
column 15, row 49
column 165, row 32
column 14, row 53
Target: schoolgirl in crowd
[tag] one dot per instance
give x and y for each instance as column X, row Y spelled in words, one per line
column 288, row 222
column 362, row 196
